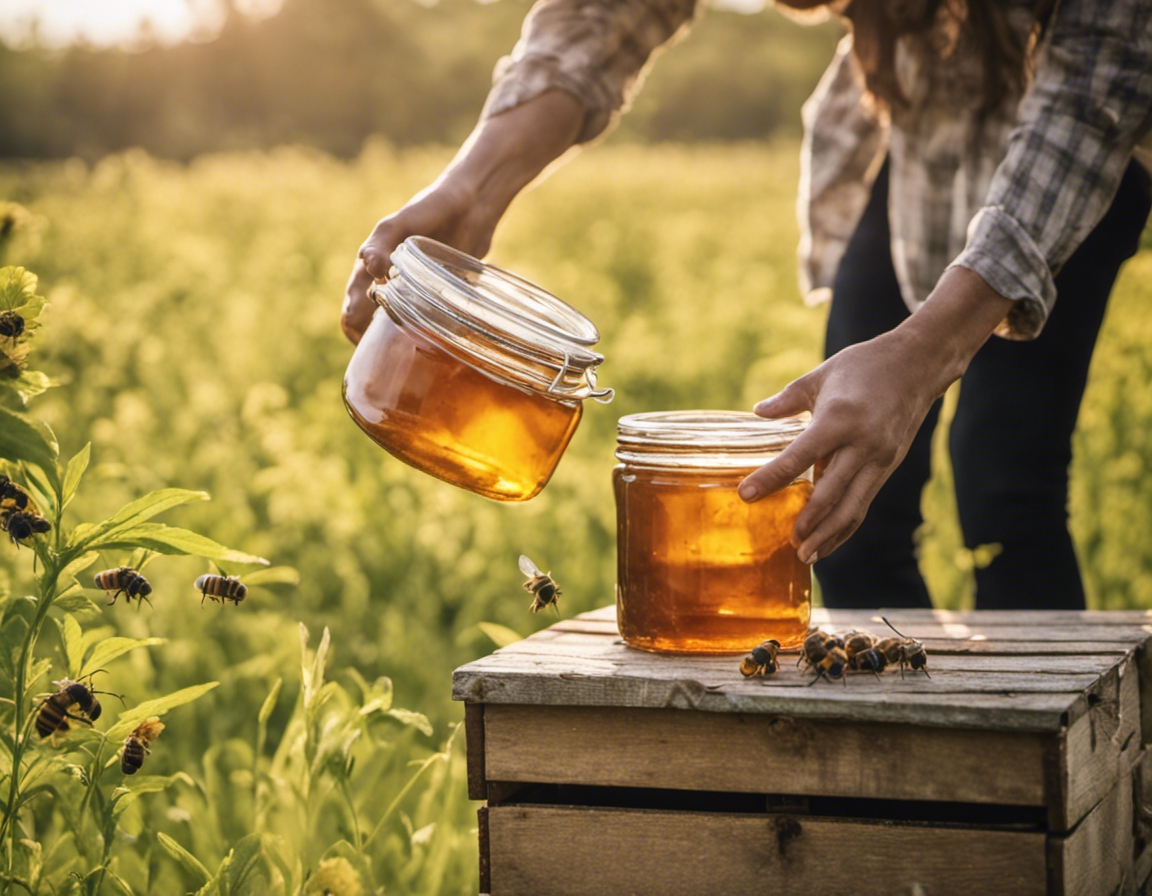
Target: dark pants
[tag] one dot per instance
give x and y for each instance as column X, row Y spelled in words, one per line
column 1011, row 438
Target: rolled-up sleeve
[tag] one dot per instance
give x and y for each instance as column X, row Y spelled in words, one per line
column 1089, row 104
column 596, row 50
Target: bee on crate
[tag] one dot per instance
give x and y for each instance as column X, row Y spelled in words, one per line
column 221, row 588
column 824, row 652
column 762, row 659
column 11, row 325
column 545, row 591
column 860, row 648
column 127, row 581
column 905, row 651
column 137, row 744
column 53, row 715
column 22, row 525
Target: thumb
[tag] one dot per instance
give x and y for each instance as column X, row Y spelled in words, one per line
column 794, row 398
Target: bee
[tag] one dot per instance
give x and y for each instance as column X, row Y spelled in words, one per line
column 824, row 653
column 13, row 497
column 221, row 588
column 540, row 584
column 11, row 325
column 22, row 525
column 905, row 651
column 54, row 715
column 860, row 648
column 762, row 660
column 124, row 580
column 136, row 744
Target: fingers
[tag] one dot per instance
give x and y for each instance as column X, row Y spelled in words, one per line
column 817, row 441
column 797, row 396
column 846, row 515
column 376, row 252
column 358, row 307
column 829, row 491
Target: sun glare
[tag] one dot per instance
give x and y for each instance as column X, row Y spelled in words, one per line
column 115, row 22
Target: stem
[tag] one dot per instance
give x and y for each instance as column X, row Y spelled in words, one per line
column 351, row 810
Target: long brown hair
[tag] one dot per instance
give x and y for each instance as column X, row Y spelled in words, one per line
column 939, row 26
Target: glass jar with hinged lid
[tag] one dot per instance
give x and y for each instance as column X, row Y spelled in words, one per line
column 471, row 373
column 698, row 569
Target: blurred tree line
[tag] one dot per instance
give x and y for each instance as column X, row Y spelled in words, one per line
column 331, row 74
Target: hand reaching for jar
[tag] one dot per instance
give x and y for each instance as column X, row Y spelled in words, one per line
column 462, row 208
column 868, row 402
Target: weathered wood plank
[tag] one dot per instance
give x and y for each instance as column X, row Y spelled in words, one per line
column 1096, row 859
column 1100, row 747
column 588, row 852
column 669, row 749
column 1014, row 711
column 474, row 750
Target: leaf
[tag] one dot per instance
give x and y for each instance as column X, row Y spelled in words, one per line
column 80, row 564
column 134, row 787
column 274, row 851
column 73, row 637
column 192, row 866
column 417, row 720
column 273, row 575
column 269, row 704
column 130, row 718
column 118, row 883
column 73, row 601
column 17, row 288
column 22, row 439
column 75, row 471
column 170, row 540
column 239, row 863
column 111, row 648
column 501, row 635
column 31, row 383
column 133, row 514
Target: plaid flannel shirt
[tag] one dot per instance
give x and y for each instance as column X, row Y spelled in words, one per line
column 1010, row 194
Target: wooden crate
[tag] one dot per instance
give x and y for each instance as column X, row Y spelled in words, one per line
column 1021, row 767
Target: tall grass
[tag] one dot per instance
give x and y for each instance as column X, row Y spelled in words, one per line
column 193, row 326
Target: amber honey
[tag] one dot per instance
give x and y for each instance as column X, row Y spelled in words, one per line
column 700, row 570
column 446, row 418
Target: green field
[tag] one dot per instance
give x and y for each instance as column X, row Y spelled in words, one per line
column 193, row 332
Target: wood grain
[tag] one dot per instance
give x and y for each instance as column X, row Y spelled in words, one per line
column 610, row 746
column 588, row 852
column 1096, row 859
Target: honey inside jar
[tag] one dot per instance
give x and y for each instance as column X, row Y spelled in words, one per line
column 700, row 570
column 448, row 419
column 470, row 373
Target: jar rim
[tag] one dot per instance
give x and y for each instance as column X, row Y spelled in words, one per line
column 483, row 312
column 705, row 431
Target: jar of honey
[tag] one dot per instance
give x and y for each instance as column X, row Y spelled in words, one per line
column 470, row 373
column 699, row 570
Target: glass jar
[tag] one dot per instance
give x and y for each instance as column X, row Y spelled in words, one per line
column 700, row 570
column 471, row 373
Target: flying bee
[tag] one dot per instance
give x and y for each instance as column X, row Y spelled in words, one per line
column 221, row 588
column 136, row 744
column 124, row 580
column 546, row 592
column 762, row 659
column 54, row 715
column 22, row 525
column 905, row 651
column 11, row 325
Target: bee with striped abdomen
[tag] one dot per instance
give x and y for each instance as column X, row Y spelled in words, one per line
column 11, row 325
column 137, row 744
column 860, row 648
column 905, row 651
column 127, row 581
column 13, row 497
column 221, row 588
column 761, row 660
column 22, row 525
column 824, row 652
column 54, row 715
column 545, row 591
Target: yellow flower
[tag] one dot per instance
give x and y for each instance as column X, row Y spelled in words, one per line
column 334, row 877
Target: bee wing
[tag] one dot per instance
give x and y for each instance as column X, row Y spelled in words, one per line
column 529, row 568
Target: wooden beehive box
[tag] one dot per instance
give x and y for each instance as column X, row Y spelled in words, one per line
column 1020, row 767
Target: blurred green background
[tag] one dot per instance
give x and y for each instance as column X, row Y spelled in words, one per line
column 193, row 210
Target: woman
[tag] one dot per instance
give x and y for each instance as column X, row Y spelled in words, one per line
column 968, row 161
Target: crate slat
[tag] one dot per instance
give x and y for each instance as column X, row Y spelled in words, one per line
column 586, row 852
